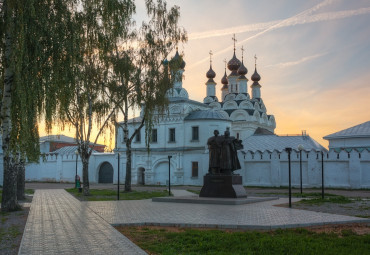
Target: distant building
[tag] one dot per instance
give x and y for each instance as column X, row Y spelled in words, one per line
column 263, row 141
column 357, row 137
column 51, row 143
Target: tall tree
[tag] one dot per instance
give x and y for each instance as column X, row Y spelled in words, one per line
column 32, row 45
column 139, row 77
column 97, row 27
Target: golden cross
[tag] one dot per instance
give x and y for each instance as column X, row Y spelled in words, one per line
column 255, row 60
column 234, row 39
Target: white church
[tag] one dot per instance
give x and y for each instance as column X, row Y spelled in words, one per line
column 181, row 134
column 182, row 131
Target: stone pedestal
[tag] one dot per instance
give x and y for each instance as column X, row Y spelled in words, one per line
column 226, row 186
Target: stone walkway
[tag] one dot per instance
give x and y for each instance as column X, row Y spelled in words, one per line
column 60, row 224
column 262, row 215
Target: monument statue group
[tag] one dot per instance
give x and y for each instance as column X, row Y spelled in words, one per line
column 223, row 157
column 223, row 161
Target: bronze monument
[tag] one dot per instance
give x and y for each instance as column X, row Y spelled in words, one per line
column 223, row 161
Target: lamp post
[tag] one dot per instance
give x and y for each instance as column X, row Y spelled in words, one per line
column 322, row 174
column 289, row 150
column 169, row 175
column 119, row 155
column 300, row 148
column 76, row 152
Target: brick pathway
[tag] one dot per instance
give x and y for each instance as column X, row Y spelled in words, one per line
column 262, row 215
column 60, row 224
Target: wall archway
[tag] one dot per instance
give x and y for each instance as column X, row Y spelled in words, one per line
column 105, row 173
column 141, row 176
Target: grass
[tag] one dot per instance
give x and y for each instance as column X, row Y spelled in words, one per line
column 303, row 195
column 297, row 241
column 29, row 191
column 333, row 199
column 110, row 195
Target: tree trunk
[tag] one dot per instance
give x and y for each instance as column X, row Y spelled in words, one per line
column 9, row 201
column 85, row 172
column 128, row 167
column 21, row 180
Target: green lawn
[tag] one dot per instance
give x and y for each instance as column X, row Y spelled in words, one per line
column 108, row 195
column 298, row 241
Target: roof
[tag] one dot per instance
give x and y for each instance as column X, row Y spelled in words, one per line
column 206, row 115
column 67, row 150
column 279, row 143
column 362, row 130
column 133, row 120
column 57, row 138
column 61, row 139
column 262, row 131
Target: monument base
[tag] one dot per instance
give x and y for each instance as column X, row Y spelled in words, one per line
column 218, row 185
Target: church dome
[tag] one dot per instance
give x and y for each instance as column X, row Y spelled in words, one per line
column 207, row 115
column 256, row 77
column 176, row 58
column 234, row 63
column 224, row 79
column 210, row 74
column 242, row 69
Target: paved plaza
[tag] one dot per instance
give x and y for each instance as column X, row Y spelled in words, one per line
column 60, row 224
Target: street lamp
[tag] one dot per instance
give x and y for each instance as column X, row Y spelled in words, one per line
column 76, row 152
column 300, row 148
column 289, row 150
column 322, row 174
column 119, row 155
column 169, row 175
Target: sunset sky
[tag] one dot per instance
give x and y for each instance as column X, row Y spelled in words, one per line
column 313, row 57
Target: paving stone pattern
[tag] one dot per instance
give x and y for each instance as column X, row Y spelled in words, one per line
column 60, row 224
column 261, row 215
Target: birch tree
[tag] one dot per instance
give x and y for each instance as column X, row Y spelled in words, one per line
column 96, row 28
column 32, row 46
column 140, row 77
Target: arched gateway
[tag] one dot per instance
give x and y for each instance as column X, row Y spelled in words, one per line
column 106, row 173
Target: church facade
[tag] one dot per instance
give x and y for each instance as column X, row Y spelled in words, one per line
column 182, row 131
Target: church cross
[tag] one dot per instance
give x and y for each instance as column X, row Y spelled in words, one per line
column 225, row 63
column 242, row 52
column 234, row 39
column 255, row 60
column 210, row 57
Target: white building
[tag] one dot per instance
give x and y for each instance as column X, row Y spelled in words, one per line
column 182, row 131
column 357, row 137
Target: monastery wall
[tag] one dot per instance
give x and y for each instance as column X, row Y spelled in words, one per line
column 270, row 169
column 341, row 170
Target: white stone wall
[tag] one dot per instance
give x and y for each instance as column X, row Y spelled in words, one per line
column 350, row 142
column 62, row 168
column 341, row 170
